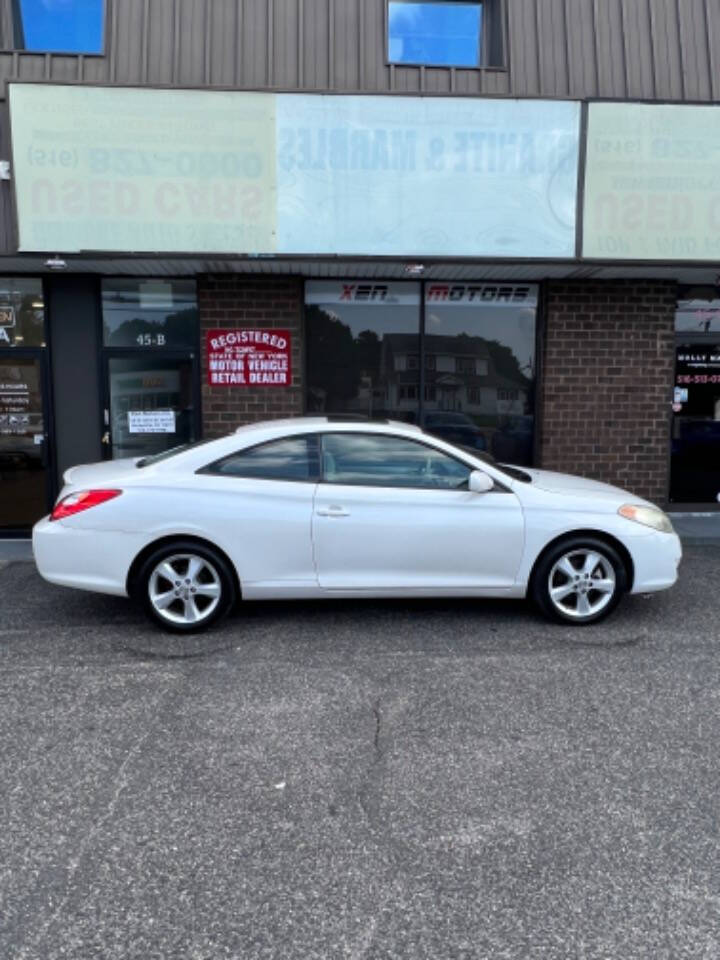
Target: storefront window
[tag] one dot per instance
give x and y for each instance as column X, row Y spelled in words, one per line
column 480, row 339
column 363, row 344
column 159, row 314
column 23, row 422
column 22, row 312
column 364, row 347
column 695, row 460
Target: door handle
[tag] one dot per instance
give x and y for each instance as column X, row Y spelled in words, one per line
column 332, row 512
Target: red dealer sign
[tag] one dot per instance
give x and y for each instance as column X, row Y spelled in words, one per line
column 249, row 358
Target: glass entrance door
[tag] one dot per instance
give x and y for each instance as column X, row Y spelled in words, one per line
column 150, row 340
column 695, row 473
column 150, row 405
column 25, row 482
column 23, row 442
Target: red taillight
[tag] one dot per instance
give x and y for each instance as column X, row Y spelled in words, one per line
column 83, row 500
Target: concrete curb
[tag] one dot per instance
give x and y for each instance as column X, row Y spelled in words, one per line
column 14, row 550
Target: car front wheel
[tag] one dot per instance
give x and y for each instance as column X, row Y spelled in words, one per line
column 186, row 586
column 580, row 581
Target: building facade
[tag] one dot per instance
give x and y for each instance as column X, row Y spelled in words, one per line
column 499, row 219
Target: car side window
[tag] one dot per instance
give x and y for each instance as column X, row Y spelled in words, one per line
column 292, row 458
column 381, row 460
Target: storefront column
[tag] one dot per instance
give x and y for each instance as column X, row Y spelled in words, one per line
column 606, row 382
column 230, row 302
column 73, row 310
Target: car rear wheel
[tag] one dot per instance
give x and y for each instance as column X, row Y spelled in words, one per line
column 185, row 586
column 580, row 581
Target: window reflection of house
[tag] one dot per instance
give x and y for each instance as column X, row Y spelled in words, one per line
column 460, row 375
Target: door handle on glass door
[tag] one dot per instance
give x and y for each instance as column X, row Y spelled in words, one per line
column 332, row 512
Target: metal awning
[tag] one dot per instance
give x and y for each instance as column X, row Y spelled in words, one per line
column 363, row 268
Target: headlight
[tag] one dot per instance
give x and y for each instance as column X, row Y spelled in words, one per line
column 648, row 516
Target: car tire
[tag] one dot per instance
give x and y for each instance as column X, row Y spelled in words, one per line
column 185, row 586
column 579, row 581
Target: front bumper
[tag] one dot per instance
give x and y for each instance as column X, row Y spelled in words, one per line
column 657, row 560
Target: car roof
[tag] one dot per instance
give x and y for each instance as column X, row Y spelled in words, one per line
column 315, row 424
column 251, row 434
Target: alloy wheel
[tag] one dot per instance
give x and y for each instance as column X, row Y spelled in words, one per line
column 582, row 584
column 184, row 589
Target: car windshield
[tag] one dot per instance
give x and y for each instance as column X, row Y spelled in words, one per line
column 515, row 472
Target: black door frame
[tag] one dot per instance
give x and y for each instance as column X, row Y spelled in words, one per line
column 42, row 356
column 687, row 506
column 162, row 353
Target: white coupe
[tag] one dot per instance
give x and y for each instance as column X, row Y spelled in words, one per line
column 331, row 507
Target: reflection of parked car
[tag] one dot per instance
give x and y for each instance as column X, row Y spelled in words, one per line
column 18, row 444
column 512, row 442
column 20, row 450
column 455, row 428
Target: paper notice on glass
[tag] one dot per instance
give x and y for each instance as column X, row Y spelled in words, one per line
column 151, row 421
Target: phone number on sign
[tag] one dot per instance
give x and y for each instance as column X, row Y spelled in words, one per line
column 129, row 162
column 700, row 378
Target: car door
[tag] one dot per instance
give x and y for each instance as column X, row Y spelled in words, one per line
column 261, row 505
column 395, row 513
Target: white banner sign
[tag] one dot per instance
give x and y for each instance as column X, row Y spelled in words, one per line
column 112, row 168
column 426, row 176
column 652, row 185
column 192, row 171
column 151, row 421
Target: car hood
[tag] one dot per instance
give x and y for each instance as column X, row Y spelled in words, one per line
column 567, row 483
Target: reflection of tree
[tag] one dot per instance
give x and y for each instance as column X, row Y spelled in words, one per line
column 506, row 364
column 367, row 354
column 177, row 328
column 332, row 370
column 503, row 361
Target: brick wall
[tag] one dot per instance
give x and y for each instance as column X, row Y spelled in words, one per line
column 231, row 301
column 607, row 375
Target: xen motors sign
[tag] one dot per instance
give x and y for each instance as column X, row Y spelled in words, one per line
column 361, row 292
column 486, row 294
column 395, row 294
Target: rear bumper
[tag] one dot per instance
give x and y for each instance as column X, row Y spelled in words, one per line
column 84, row 559
column 657, row 560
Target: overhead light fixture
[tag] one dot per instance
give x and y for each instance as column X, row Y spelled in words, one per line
column 56, row 263
column 414, row 269
column 37, row 304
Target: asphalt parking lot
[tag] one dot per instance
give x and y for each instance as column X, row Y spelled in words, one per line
column 426, row 779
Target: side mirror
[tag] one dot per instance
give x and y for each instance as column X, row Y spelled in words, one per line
column 480, row 482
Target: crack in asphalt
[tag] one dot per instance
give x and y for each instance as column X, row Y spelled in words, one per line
column 378, row 727
column 120, row 781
